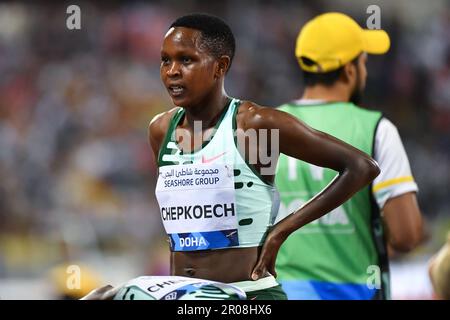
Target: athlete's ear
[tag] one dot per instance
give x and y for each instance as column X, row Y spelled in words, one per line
column 222, row 66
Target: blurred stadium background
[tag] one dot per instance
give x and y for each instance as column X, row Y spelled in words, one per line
column 77, row 177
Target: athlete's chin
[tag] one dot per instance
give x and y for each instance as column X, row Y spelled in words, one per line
column 179, row 101
column 185, row 102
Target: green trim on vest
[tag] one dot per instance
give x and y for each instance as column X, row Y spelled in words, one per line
column 175, row 121
column 379, row 238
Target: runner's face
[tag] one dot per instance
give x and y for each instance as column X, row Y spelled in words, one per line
column 187, row 70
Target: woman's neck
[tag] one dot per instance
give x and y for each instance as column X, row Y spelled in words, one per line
column 207, row 112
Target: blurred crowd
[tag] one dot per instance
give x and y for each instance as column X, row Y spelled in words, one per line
column 76, row 171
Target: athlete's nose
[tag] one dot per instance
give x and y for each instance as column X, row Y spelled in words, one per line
column 174, row 70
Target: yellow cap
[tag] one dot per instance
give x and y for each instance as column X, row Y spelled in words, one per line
column 333, row 39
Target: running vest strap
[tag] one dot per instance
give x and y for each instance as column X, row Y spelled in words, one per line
column 211, row 198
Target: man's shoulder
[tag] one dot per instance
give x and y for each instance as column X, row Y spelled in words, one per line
column 386, row 127
column 366, row 111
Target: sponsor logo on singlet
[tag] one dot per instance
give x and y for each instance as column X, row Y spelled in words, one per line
column 197, row 206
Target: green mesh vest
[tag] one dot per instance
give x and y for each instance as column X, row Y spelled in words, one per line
column 346, row 246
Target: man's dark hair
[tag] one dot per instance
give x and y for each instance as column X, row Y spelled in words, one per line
column 217, row 36
column 327, row 79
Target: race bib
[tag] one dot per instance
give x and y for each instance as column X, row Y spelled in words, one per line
column 197, row 206
column 177, row 288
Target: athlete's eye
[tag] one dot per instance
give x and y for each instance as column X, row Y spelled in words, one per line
column 186, row 60
column 164, row 60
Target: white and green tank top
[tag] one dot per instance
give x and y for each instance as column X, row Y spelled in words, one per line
column 212, row 198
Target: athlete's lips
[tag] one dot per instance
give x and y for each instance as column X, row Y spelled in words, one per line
column 176, row 89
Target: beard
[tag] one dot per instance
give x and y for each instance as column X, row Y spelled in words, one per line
column 358, row 92
column 357, row 96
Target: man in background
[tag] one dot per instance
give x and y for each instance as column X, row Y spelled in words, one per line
column 344, row 254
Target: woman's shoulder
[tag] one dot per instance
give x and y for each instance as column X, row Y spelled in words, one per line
column 254, row 116
column 158, row 127
column 161, row 121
